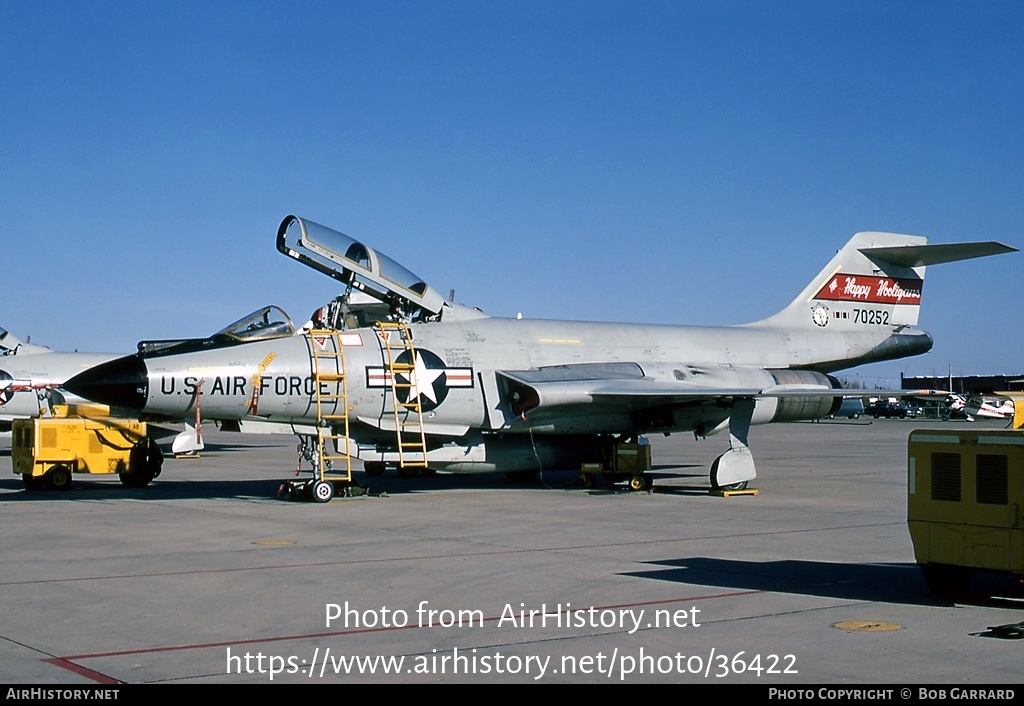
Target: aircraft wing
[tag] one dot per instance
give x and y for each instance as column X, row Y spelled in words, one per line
column 602, row 385
column 574, row 388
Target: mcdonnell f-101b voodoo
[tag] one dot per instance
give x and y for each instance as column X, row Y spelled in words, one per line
column 393, row 374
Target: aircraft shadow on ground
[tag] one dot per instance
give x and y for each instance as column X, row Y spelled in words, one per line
column 92, row 490
column 566, row 480
column 882, row 583
column 167, row 487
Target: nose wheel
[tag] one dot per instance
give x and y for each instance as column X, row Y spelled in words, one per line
column 320, row 491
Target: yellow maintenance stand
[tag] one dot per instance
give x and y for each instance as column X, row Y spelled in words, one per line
column 47, row 451
column 965, row 502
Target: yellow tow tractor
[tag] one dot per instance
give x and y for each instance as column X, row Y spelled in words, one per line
column 47, row 451
column 965, row 502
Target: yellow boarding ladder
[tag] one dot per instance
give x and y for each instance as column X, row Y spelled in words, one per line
column 412, row 441
column 331, row 392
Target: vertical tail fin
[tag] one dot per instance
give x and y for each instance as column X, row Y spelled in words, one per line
column 876, row 279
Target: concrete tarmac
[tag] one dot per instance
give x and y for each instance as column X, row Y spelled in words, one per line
column 207, row 576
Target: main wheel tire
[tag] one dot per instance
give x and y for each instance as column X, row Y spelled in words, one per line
column 58, row 477
column 637, row 483
column 742, row 485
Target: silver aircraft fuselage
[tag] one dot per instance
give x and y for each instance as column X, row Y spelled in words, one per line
column 459, row 378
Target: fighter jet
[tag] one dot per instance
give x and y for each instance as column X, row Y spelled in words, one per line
column 31, row 377
column 401, row 377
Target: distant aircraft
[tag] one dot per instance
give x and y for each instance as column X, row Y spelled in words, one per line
column 412, row 380
column 972, row 407
column 31, row 377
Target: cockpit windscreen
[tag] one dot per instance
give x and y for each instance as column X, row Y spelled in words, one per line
column 262, row 324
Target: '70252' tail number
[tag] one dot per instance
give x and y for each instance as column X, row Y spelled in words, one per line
column 877, row 317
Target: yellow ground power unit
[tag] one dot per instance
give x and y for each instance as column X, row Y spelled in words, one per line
column 47, row 451
column 627, row 462
column 965, row 494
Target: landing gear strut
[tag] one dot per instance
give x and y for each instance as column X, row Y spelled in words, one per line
column 734, row 469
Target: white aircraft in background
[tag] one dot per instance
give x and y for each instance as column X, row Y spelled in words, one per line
column 972, row 407
column 31, row 377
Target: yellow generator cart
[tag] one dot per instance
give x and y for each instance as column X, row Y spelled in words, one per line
column 626, row 462
column 965, row 494
column 47, row 451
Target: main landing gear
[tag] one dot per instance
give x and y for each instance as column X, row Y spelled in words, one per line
column 733, row 470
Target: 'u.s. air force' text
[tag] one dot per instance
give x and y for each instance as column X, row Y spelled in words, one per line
column 238, row 385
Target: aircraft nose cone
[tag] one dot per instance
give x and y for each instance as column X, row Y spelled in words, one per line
column 122, row 382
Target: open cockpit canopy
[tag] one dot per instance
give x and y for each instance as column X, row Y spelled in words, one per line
column 357, row 265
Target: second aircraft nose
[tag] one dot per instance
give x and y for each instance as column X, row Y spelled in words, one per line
column 122, row 382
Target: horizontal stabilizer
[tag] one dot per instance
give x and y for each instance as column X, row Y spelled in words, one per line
column 918, row 255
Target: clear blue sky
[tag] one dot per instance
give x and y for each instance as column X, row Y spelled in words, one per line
column 672, row 162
